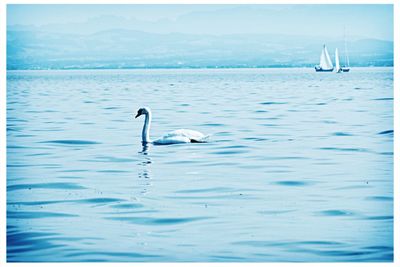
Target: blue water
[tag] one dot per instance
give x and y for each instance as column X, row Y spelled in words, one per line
column 299, row 166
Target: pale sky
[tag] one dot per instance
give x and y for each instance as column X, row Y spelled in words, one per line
column 371, row 21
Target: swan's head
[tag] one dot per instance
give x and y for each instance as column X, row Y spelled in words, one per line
column 142, row 111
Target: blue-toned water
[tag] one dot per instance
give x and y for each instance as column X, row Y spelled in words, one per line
column 299, row 166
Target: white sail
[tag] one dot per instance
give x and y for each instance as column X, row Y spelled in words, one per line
column 337, row 63
column 325, row 61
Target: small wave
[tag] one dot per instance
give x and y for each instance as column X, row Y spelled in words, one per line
column 383, row 98
column 178, row 162
column 218, row 196
column 284, row 158
column 388, row 217
column 205, row 190
column 261, row 243
column 36, row 214
column 387, row 132
column 128, row 206
column 213, row 124
column 320, row 243
column 269, row 124
column 292, row 183
column 71, row 142
column 100, row 200
column 341, row 134
column 329, row 122
column 234, row 146
column 45, row 186
column 275, row 212
column 98, row 255
column 335, row 213
column 380, row 198
column 157, row 221
column 345, row 149
column 83, row 201
column 109, row 159
column 255, row 138
column 19, row 242
column 332, row 253
column 223, row 134
column 229, row 152
column 112, row 171
column 32, row 165
column 223, row 258
column 17, row 147
column 273, row 103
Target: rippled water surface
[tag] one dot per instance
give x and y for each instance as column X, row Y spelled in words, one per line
column 299, row 166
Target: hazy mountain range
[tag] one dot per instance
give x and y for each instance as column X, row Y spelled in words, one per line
column 237, row 36
column 135, row 49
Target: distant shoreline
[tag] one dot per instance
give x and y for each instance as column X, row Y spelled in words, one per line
column 183, row 68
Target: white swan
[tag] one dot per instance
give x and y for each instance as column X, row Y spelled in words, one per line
column 175, row 137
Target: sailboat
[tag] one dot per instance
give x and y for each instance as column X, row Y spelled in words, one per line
column 337, row 63
column 325, row 63
column 346, row 68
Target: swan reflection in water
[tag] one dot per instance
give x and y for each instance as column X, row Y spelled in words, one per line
column 144, row 173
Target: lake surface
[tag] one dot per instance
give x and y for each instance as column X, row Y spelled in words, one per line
column 299, row 166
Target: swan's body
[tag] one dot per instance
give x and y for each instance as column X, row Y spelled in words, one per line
column 175, row 137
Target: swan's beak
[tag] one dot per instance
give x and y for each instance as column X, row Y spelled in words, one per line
column 137, row 115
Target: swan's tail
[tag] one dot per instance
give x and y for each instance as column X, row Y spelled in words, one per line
column 204, row 139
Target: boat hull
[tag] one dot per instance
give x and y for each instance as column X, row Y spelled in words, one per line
column 323, row 70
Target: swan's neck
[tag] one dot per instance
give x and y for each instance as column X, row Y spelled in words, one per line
column 146, row 129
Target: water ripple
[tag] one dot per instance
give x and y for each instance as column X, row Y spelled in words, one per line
column 335, row 213
column 273, row 103
column 83, row 201
column 63, row 186
column 387, row 132
column 292, row 183
column 97, row 256
column 205, row 190
column 345, row 149
column 383, row 98
column 71, row 142
column 341, row 134
column 380, row 198
column 36, row 214
column 128, row 206
column 157, row 221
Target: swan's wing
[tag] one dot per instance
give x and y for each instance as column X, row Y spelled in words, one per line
column 191, row 134
column 180, row 136
column 194, row 136
column 169, row 139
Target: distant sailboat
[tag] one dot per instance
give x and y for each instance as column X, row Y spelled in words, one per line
column 346, row 68
column 325, row 63
column 337, row 63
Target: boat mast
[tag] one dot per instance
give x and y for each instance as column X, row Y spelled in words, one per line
column 345, row 47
